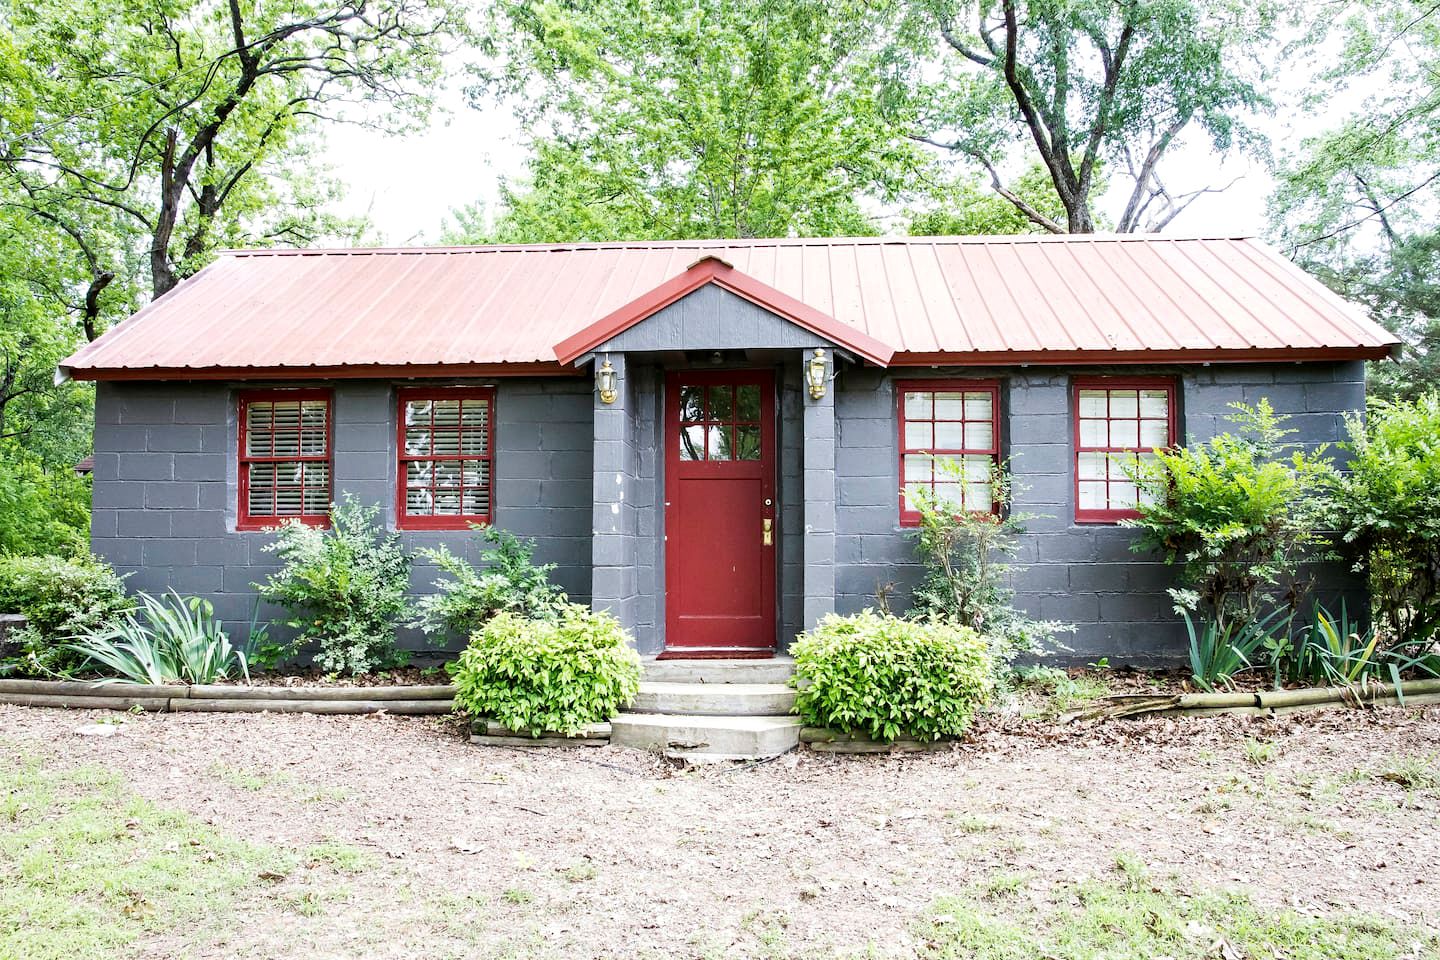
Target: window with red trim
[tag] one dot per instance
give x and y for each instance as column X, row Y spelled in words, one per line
column 949, row 442
column 447, row 444
column 285, row 458
column 1118, row 423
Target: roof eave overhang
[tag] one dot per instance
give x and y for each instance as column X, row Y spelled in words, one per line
column 717, row 271
column 394, row 371
column 1004, row 358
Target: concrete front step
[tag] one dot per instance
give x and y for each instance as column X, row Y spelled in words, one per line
column 702, row 739
column 714, row 699
column 769, row 670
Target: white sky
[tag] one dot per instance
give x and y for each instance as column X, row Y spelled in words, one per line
column 408, row 184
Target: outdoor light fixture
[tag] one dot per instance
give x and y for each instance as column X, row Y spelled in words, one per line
column 815, row 374
column 605, row 382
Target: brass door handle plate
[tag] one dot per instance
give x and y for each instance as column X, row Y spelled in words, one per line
column 766, row 535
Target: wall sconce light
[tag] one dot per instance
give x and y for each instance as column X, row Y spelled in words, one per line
column 605, row 382
column 815, row 371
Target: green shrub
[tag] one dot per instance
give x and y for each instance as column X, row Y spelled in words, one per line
column 886, row 677
column 174, row 640
column 510, row 581
column 1239, row 513
column 346, row 587
column 966, row 574
column 539, row 676
column 1387, row 508
column 62, row 598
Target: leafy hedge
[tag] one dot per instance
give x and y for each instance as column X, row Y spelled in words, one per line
column 62, row 598
column 1388, row 512
column 886, row 677
column 543, row 676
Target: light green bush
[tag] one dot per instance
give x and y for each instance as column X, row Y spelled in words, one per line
column 62, row 598
column 540, row 676
column 886, row 677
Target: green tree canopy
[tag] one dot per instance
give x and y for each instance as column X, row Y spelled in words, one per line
column 691, row 118
column 1359, row 204
column 1074, row 84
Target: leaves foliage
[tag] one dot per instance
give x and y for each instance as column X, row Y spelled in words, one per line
column 62, row 598
column 547, row 676
column 669, row 119
column 888, row 677
column 510, row 581
column 1387, row 508
column 967, row 580
column 345, row 587
column 172, row 639
column 1238, row 514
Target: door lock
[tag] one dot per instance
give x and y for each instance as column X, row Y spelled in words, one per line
column 766, row 537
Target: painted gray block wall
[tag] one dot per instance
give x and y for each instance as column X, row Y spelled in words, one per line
column 1079, row 573
column 819, row 435
column 165, row 497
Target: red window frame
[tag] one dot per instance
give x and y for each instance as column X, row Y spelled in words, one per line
column 1171, row 388
column 408, row 521
column 911, row 518
column 244, row 520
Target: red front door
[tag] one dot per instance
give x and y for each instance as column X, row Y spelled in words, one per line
column 720, row 518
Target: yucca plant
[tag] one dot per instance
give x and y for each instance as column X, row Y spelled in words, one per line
column 1333, row 649
column 1218, row 654
column 173, row 639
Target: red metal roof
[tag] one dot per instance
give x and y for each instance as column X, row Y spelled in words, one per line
column 507, row 309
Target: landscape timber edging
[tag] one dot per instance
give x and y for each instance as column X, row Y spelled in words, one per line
column 434, row 699
column 1261, row 703
column 488, row 733
column 824, row 740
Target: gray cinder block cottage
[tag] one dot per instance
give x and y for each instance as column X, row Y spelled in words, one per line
column 710, row 439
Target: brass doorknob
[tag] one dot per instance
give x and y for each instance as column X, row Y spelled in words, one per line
column 766, row 537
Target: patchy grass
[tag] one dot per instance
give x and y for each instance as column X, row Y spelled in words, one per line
column 1411, row 772
column 87, row 869
column 1260, row 752
column 1047, row 692
column 1131, row 916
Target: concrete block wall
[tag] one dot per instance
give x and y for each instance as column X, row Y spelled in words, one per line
column 165, row 484
column 616, row 505
column 1084, row 574
column 819, row 441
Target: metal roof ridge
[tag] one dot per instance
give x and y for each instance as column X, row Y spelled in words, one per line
column 723, row 242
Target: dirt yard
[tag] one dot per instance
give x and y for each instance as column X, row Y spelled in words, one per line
column 433, row 847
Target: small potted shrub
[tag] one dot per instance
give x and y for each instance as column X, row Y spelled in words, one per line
column 539, row 676
column 888, row 678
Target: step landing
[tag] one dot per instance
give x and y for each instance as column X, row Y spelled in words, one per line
column 769, row 670
column 704, row 739
column 714, row 699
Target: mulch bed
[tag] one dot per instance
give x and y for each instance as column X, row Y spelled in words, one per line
column 617, row 853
